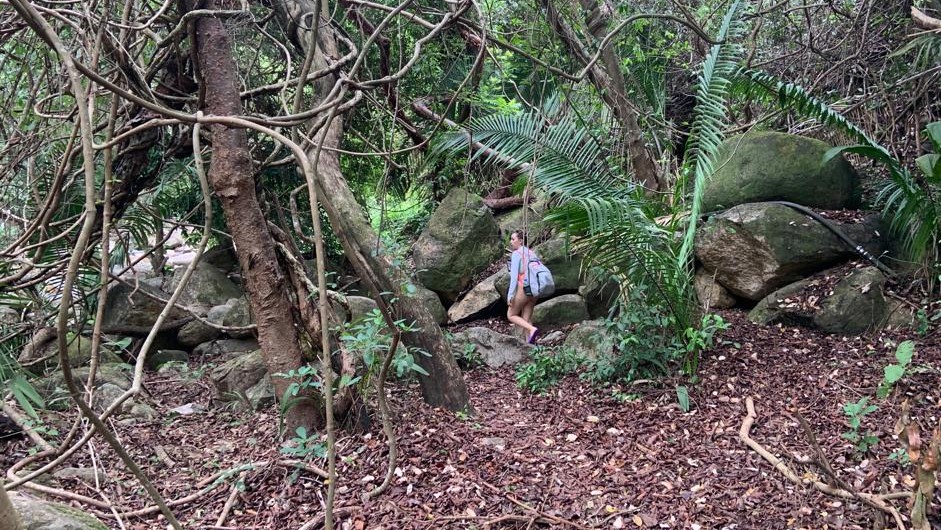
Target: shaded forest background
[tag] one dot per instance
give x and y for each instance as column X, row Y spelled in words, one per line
column 330, row 131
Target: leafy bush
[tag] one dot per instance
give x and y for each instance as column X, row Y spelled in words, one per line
column 855, row 412
column 894, row 372
column 547, row 368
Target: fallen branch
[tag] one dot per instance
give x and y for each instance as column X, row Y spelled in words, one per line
column 876, row 501
column 923, row 21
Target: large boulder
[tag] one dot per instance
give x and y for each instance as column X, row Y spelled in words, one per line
column 479, row 299
column 756, row 248
column 38, row 514
column 207, row 287
column 54, row 391
column 600, row 291
column 244, row 378
column 432, row 303
column 765, row 166
column 560, row 311
column 710, row 293
column 856, row 303
column 461, row 239
column 495, row 349
column 591, row 340
column 235, row 313
column 128, row 304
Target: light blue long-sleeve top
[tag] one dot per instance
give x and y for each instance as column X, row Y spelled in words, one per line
column 516, row 268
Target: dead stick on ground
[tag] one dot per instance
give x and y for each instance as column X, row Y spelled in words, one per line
column 231, row 500
column 876, row 501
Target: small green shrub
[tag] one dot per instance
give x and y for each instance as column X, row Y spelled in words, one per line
column 304, row 446
column 547, row 368
column 855, row 412
column 894, row 372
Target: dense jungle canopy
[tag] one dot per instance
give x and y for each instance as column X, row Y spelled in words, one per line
column 315, row 140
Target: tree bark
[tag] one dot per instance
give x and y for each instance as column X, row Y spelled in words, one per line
column 445, row 386
column 609, row 82
column 230, row 175
column 9, row 518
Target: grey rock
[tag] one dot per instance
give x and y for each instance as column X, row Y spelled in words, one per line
column 591, row 340
column 128, row 305
column 495, row 349
column 237, row 375
column 560, row 311
column 710, row 293
column 759, row 247
column 480, row 298
column 43, row 515
column 225, row 348
column 261, row 395
column 196, row 332
column 236, row 313
column 557, row 255
column 207, row 287
column 432, row 302
column 161, row 357
column 8, row 315
column 600, row 291
column 360, row 306
column 461, row 239
column 857, row 304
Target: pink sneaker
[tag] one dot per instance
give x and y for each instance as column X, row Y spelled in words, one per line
column 532, row 336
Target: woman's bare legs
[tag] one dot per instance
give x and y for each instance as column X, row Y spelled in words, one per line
column 521, row 311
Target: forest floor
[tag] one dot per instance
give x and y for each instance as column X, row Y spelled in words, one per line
column 576, row 457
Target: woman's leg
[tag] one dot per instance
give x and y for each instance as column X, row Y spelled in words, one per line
column 516, row 308
column 527, row 312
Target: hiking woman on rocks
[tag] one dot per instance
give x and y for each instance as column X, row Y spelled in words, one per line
column 518, row 297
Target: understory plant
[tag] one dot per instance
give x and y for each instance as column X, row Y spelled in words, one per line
column 862, row 440
column 546, row 368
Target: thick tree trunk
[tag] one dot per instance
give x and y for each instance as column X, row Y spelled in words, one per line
column 9, row 519
column 230, row 175
column 445, row 385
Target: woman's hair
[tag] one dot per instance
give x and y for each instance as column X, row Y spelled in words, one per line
column 521, row 235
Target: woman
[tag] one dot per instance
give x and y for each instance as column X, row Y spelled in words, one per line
column 518, row 298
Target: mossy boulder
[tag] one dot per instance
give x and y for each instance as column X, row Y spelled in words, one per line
column 560, row 311
column 38, row 514
column 591, row 339
column 854, row 305
column 765, row 166
column 130, row 305
column 757, row 248
column 207, row 287
column 461, row 239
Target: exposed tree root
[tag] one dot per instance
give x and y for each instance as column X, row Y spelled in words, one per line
column 876, row 501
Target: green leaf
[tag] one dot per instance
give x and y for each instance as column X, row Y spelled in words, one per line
column 904, row 352
column 930, row 165
column 893, row 373
column 682, row 396
column 933, row 131
column 26, row 395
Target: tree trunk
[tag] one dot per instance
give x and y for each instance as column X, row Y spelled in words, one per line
column 445, row 386
column 230, row 175
column 9, row 519
column 609, row 82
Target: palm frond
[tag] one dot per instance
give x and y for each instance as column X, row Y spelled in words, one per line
column 710, row 119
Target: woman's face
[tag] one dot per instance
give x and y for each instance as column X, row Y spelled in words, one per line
column 515, row 241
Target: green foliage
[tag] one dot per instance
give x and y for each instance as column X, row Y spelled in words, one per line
column 855, row 413
column 894, row 372
column 547, row 367
column 304, row 446
column 13, row 378
column 701, row 339
column 682, row 397
column 371, row 338
column 715, row 80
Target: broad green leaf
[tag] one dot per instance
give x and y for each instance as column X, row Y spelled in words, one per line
column 904, row 352
column 930, row 165
column 682, row 396
column 893, row 373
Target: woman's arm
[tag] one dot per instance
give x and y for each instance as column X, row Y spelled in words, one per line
column 514, row 275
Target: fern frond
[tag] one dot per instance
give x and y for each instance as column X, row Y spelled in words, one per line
column 710, row 121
